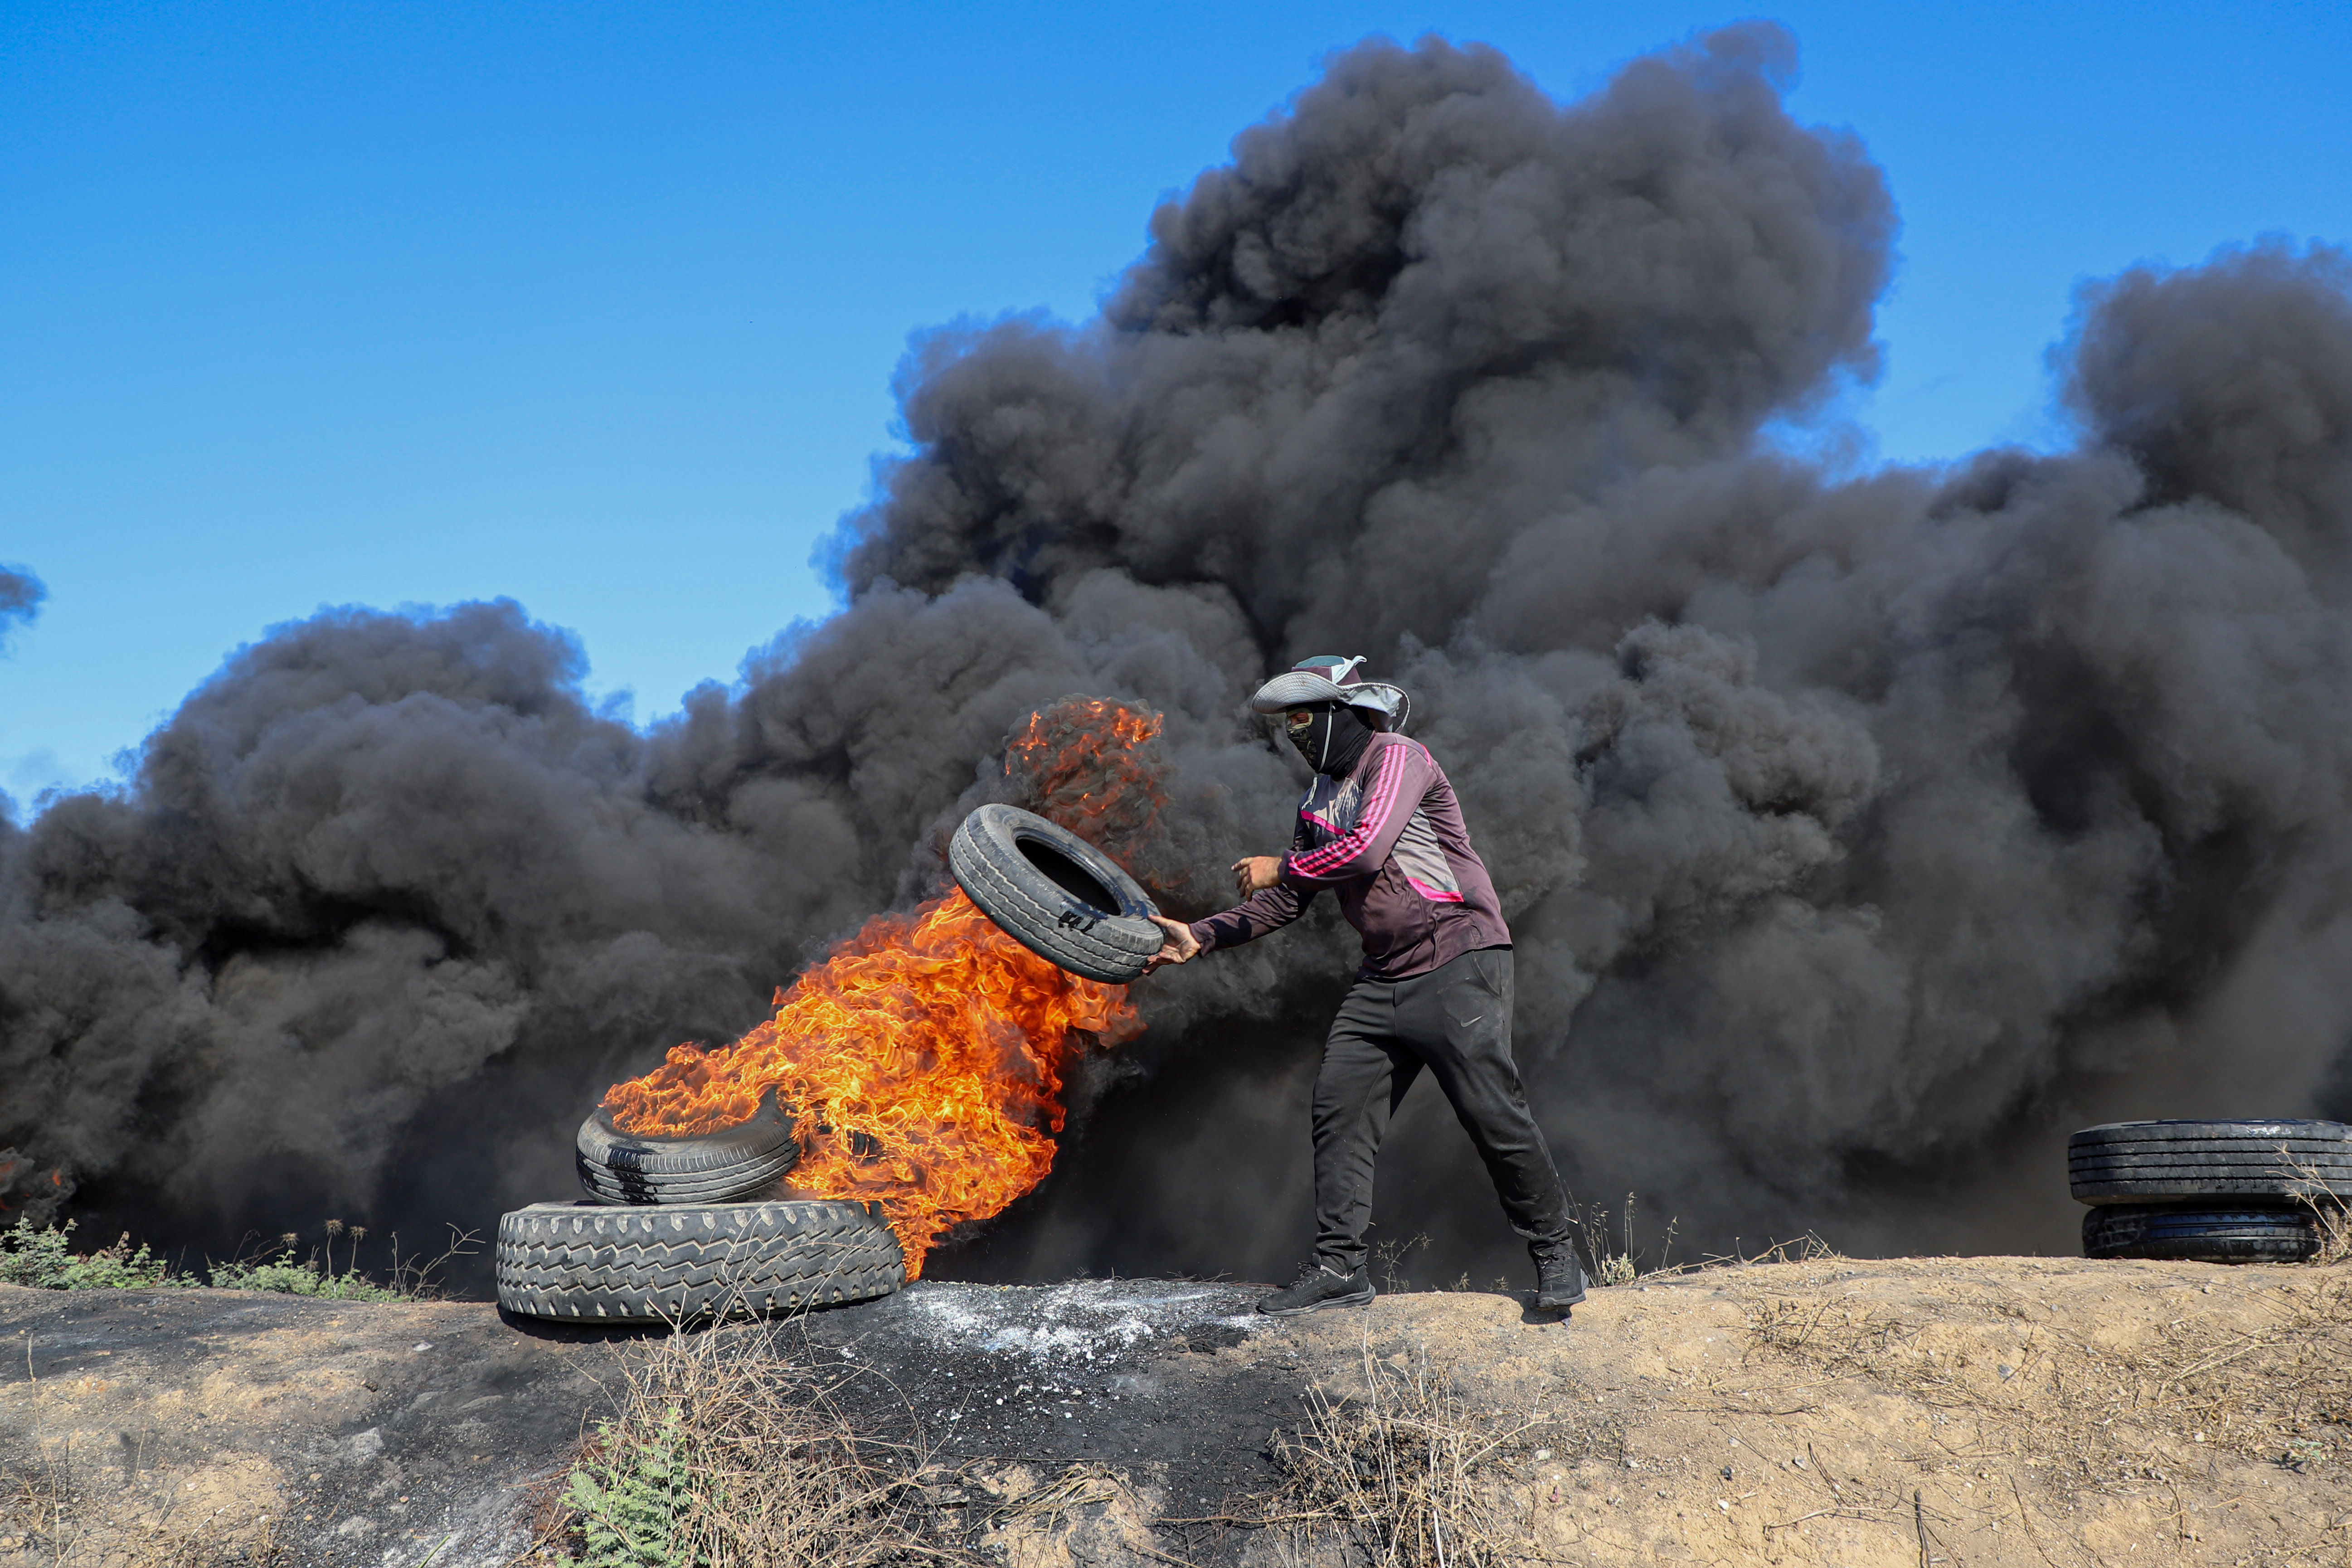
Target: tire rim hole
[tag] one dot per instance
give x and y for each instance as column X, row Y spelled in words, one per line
column 1068, row 875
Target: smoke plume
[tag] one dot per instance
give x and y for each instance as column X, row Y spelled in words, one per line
column 1860, row 835
column 21, row 593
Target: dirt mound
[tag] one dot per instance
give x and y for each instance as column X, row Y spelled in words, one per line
column 1977, row 1411
column 1981, row 1411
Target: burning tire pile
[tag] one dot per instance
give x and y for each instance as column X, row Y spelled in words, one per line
column 2209, row 1192
column 705, row 1223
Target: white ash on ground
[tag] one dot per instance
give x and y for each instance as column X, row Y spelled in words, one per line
column 1081, row 1322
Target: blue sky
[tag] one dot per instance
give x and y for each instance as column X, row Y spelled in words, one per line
column 597, row 306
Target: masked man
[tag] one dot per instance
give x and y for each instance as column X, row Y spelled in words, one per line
column 1380, row 826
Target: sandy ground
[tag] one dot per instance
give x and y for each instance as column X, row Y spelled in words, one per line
column 194, row 1427
column 1985, row 1411
column 2047, row 1413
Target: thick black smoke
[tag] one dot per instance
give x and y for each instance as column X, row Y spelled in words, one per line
column 1860, row 835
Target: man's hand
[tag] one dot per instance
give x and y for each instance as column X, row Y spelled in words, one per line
column 1257, row 873
column 1177, row 945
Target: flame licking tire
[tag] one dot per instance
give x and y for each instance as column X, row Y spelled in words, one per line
column 926, row 1054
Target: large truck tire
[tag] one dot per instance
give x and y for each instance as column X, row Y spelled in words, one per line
column 733, row 1164
column 2142, row 1162
column 1055, row 893
column 584, row 1262
column 2201, row 1234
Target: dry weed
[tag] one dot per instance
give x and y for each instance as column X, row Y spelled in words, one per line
column 1413, row 1474
column 1806, row 1248
column 1618, row 1260
column 728, row 1454
column 2102, row 1414
column 1051, row 1506
column 2316, row 1192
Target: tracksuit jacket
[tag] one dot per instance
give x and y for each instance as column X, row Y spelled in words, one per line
column 1389, row 839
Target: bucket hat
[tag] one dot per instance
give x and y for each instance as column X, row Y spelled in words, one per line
column 1329, row 678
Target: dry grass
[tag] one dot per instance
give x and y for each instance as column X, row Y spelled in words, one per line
column 2098, row 1414
column 1618, row 1258
column 2315, row 1191
column 60, row 1508
column 1410, row 1473
column 1087, row 1513
column 728, row 1456
column 42, row 1521
column 739, row 1458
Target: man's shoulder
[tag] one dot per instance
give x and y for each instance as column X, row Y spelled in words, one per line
column 1412, row 748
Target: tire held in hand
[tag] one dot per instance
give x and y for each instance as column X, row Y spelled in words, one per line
column 1055, row 893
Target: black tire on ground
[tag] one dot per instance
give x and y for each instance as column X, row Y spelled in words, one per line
column 1055, row 893
column 2201, row 1233
column 726, row 1166
column 2140, row 1161
column 583, row 1262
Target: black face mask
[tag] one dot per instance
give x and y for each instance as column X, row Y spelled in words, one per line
column 1332, row 739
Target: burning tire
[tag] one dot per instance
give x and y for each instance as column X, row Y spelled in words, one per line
column 1055, row 893
column 586, row 1262
column 2141, row 1161
column 2200, row 1234
column 734, row 1163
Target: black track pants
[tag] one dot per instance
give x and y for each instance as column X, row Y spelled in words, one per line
column 1455, row 1020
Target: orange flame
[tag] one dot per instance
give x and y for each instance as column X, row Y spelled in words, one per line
column 1081, row 762
column 925, row 1056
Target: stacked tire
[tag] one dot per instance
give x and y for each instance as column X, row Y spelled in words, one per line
column 685, row 1263
column 725, row 1166
column 691, row 1229
column 2209, row 1192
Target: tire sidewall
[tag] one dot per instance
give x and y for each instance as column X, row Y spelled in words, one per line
column 1005, row 827
column 722, row 1166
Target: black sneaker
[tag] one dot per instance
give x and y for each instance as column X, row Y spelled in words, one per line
column 1559, row 1278
column 1318, row 1288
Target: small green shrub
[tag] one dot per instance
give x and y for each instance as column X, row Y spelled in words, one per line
column 305, row 1278
column 46, row 1261
column 277, row 1270
column 633, row 1500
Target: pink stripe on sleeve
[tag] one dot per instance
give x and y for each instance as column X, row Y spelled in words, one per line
column 1340, row 851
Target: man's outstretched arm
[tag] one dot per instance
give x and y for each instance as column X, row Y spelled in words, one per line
column 1269, row 909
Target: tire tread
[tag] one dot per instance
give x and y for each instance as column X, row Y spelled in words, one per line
column 2127, row 1162
column 584, row 1262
